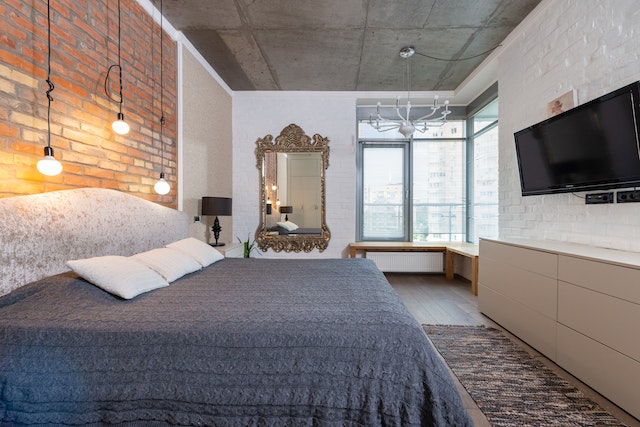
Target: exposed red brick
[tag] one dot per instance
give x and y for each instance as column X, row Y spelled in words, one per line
column 84, row 44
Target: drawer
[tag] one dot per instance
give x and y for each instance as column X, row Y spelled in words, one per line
column 536, row 329
column 611, row 373
column 543, row 263
column 608, row 320
column 610, row 279
column 533, row 290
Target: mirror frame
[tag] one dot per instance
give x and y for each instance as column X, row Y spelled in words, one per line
column 292, row 139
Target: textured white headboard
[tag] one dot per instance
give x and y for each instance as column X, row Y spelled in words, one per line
column 38, row 233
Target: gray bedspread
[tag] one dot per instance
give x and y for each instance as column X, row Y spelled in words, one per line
column 243, row 342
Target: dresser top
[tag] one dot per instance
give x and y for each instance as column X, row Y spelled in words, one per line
column 612, row 256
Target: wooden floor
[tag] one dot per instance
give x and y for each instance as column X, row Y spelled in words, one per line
column 432, row 299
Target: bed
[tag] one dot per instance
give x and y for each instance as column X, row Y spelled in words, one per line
column 240, row 342
column 299, row 231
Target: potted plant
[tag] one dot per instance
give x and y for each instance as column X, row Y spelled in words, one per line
column 248, row 247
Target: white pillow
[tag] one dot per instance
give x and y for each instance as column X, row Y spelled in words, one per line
column 289, row 226
column 118, row 275
column 169, row 263
column 198, row 250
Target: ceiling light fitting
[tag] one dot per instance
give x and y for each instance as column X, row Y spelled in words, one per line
column 162, row 187
column 49, row 165
column 119, row 126
column 404, row 124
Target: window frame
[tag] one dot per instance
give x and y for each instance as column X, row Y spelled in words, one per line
column 407, row 190
column 489, row 96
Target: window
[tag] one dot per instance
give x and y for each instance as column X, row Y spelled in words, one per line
column 484, row 208
column 384, row 185
column 440, row 186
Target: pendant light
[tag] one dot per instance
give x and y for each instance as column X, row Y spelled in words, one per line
column 161, row 187
column 119, row 126
column 49, row 165
column 404, row 124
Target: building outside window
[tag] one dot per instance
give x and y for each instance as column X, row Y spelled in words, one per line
column 438, row 180
column 385, row 185
column 483, row 220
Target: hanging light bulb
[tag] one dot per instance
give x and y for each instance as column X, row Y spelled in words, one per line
column 120, row 126
column 162, row 187
column 49, row 165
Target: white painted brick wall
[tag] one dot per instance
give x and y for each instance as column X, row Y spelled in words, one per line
column 592, row 46
column 332, row 115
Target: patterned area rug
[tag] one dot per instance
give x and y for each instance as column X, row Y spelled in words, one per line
column 511, row 387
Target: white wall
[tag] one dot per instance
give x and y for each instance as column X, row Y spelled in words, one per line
column 332, row 115
column 591, row 46
column 206, row 145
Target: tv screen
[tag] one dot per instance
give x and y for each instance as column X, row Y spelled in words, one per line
column 593, row 146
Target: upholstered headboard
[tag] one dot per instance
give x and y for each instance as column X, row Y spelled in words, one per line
column 38, row 233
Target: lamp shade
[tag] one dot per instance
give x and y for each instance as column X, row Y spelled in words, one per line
column 286, row 209
column 219, row 206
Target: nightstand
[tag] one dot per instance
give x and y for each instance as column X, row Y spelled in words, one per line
column 231, row 250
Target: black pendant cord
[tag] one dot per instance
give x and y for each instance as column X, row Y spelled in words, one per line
column 119, row 56
column 49, row 82
column 120, row 98
column 162, row 119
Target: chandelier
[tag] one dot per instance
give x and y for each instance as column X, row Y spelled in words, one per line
column 404, row 124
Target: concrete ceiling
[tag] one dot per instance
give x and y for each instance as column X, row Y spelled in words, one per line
column 344, row 45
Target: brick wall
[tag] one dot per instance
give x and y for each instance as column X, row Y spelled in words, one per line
column 589, row 46
column 84, row 44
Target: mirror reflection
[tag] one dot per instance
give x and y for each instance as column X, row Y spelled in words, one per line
column 292, row 196
column 293, row 189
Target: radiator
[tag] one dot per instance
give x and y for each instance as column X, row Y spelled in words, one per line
column 408, row 262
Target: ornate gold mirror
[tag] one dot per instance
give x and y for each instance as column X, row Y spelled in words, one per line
column 292, row 191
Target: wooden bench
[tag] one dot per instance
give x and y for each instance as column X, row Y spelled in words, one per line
column 466, row 250
column 449, row 249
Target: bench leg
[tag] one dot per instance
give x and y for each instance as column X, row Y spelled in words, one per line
column 474, row 275
column 448, row 265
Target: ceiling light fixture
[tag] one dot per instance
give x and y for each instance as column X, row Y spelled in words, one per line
column 49, row 165
column 162, row 187
column 119, row 126
column 404, row 123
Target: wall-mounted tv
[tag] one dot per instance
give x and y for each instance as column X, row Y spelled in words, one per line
column 593, row 146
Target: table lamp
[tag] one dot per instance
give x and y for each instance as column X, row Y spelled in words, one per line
column 286, row 210
column 218, row 206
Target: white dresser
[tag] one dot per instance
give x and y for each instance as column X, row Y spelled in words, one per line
column 578, row 305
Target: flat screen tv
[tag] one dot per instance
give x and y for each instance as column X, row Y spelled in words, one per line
column 595, row 146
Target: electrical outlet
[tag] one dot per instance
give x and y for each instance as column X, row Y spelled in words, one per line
column 628, row 196
column 597, row 198
column 196, row 218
